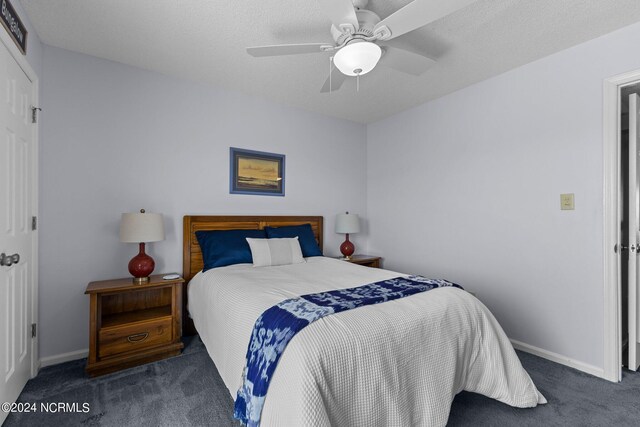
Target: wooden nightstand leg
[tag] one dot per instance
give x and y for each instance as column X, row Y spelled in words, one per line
column 94, row 317
column 177, row 312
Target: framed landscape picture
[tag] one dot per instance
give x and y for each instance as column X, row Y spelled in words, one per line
column 256, row 172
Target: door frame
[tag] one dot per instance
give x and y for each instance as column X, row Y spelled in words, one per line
column 612, row 217
column 33, row 77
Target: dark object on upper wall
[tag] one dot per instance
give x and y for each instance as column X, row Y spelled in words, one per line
column 14, row 26
column 256, row 172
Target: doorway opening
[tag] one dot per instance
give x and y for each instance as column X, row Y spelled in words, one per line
column 621, row 223
column 625, row 200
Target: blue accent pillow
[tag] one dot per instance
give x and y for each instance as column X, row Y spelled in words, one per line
column 226, row 247
column 303, row 232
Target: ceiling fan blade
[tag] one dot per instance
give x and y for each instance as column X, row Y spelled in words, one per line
column 286, row 49
column 416, row 14
column 406, row 61
column 341, row 13
column 337, row 78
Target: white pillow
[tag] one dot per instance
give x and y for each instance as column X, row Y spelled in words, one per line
column 275, row 251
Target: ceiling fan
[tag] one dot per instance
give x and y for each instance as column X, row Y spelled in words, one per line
column 360, row 38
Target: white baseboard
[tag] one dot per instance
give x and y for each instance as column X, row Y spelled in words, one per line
column 558, row 358
column 64, row 357
column 537, row 351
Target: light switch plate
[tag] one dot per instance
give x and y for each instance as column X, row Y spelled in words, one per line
column 567, row 202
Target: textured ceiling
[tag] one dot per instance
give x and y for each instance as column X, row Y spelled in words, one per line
column 205, row 41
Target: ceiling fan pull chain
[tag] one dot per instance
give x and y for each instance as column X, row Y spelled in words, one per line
column 358, row 82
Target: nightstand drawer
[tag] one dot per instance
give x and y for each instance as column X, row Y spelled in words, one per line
column 133, row 337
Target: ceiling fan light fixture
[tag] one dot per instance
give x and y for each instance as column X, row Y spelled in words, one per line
column 357, row 59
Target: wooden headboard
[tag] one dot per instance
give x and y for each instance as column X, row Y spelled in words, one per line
column 192, row 256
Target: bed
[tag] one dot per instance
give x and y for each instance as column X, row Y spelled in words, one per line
column 397, row 363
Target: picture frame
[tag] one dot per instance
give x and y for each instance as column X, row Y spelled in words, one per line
column 256, row 172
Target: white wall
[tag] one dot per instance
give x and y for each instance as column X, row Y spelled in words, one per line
column 467, row 187
column 116, row 139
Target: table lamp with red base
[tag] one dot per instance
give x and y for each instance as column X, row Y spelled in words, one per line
column 141, row 228
column 347, row 224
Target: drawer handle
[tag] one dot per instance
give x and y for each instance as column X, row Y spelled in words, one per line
column 138, row 337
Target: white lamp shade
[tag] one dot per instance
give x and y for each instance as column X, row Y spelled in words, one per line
column 347, row 223
column 357, row 58
column 141, row 227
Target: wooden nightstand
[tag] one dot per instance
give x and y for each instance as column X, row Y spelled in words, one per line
column 366, row 260
column 133, row 324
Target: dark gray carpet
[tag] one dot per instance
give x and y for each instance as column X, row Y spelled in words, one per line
column 182, row 391
column 187, row 391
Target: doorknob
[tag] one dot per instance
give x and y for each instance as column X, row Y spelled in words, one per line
column 619, row 248
column 9, row 260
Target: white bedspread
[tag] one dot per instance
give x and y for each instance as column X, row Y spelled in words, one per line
column 399, row 363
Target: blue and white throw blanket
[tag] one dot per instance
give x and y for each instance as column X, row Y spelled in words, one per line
column 276, row 327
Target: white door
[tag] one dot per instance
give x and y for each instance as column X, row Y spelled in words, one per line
column 17, row 241
column 634, row 230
